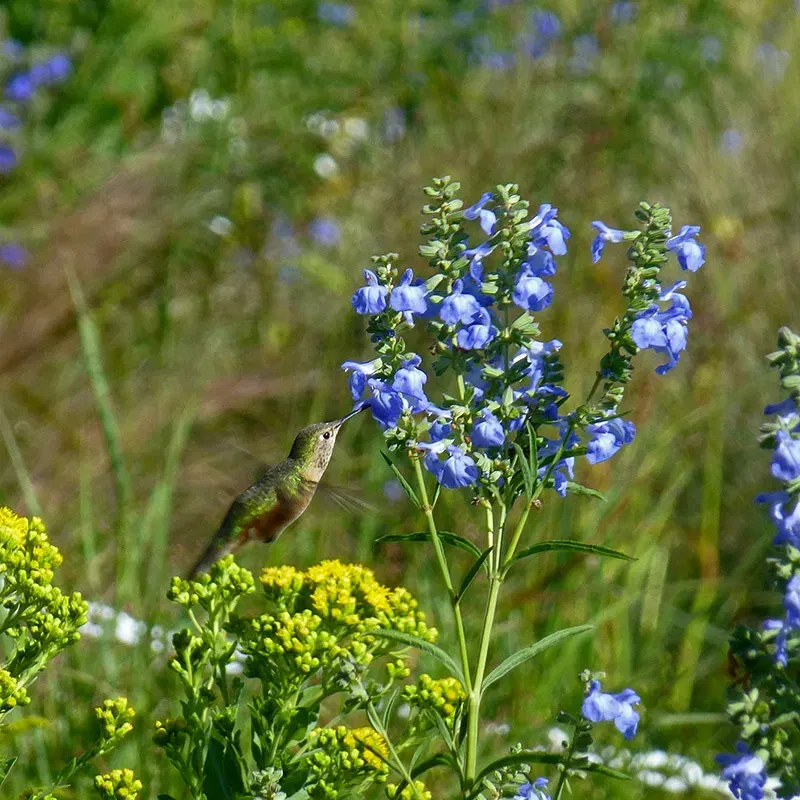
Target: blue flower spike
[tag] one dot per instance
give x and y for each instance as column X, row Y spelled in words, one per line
column 599, row 706
column 691, row 254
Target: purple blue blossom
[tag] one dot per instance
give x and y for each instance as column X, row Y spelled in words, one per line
column 533, row 791
column 13, row 255
column 457, row 471
column 786, row 522
column 786, row 459
column 691, row 254
column 664, row 331
column 409, row 297
column 459, row 307
column 745, row 772
column 623, row 12
column 586, row 49
column 487, row 217
column 531, row 292
column 478, row 333
column 59, row 68
column 359, row 372
column 8, row 159
column 370, row 299
column 8, row 120
column 386, row 403
column 607, row 438
column 604, row 235
column 488, row 431
column 19, row 88
column 409, row 381
column 599, row 706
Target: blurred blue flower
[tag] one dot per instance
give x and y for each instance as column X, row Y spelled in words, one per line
column 771, row 61
column 564, row 469
column 586, row 49
column 59, row 67
column 386, row 402
column 8, row 120
column 339, row 14
column 394, row 124
column 370, row 299
column 478, row 333
column 533, row 791
column 459, row 307
column 13, row 255
column 546, row 28
column 409, row 298
column 664, row 331
column 19, row 88
column 710, row 49
column 732, row 141
column 39, row 75
column 599, row 706
column 488, row 218
column 607, row 438
column 8, row 159
column 325, row 231
column 12, row 49
column 409, row 381
column 746, row 773
column 531, row 292
column 691, row 254
column 604, row 235
column 488, row 432
column 359, row 372
column 786, row 459
column 623, row 12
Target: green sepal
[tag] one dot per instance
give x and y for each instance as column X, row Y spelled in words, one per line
column 577, row 488
column 521, row 656
column 446, row 537
column 426, row 647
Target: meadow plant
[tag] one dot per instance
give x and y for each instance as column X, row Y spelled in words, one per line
column 764, row 703
column 38, row 622
column 502, row 429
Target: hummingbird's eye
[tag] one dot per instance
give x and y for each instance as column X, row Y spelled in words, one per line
column 326, row 435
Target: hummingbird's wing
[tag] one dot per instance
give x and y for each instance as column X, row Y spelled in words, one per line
column 347, row 499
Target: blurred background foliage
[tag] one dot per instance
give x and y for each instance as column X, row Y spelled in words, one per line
column 185, row 213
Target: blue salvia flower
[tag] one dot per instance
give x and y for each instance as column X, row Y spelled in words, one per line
column 409, row 382
column 370, row 299
column 409, row 297
column 386, row 402
column 8, row 120
column 459, row 307
column 786, row 522
column 59, row 68
column 546, row 230
column 531, row 292
column 604, row 235
column 786, row 459
column 478, row 333
column 13, row 255
column 359, row 372
column 691, row 254
column 745, row 772
column 607, row 438
column 488, row 218
column 488, row 431
column 533, row 791
column 599, row 706
column 664, row 331
column 457, row 471
column 20, row 88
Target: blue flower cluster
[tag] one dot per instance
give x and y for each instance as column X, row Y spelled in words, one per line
column 479, row 307
column 23, row 78
column 746, row 773
column 533, row 791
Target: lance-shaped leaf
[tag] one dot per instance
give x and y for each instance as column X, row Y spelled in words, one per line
column 521, row 656
column 407, row 488
column 569, row 545
column 473, row 571
column 446, row 537
column 427, row 647
column 5, row 767
column 578, row 488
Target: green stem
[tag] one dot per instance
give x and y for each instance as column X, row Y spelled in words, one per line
column 398, row 764
column 562, row 779
column 445, row 570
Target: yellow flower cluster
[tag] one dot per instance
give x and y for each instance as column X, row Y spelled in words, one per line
column 348, row 594
column 343, row 757
column 119, row 784
column 442, row 696
column 407, row 793
column 115, row 718
column 11, row 693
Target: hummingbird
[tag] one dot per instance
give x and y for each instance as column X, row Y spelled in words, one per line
column 278, row 497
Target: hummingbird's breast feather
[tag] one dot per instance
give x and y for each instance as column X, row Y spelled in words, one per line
column 267, row 520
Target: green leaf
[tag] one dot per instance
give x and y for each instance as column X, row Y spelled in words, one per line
column 439, row 760
column 403, row 482
column 5, row 767
column 563, row 545
column 427, row 647
column 525, row 469
column 521, row 656
column 473, row 571
column 222, row 772
column 165, row 797
column 577, row 488
column 446, row 536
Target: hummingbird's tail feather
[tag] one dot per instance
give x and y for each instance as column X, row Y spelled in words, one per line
column 213, row 553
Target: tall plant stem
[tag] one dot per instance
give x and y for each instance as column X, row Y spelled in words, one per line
column 445, row 570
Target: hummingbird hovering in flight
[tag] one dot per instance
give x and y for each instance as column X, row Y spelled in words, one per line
column 278, row 497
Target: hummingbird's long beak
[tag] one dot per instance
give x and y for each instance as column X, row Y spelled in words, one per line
column 341, row 422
